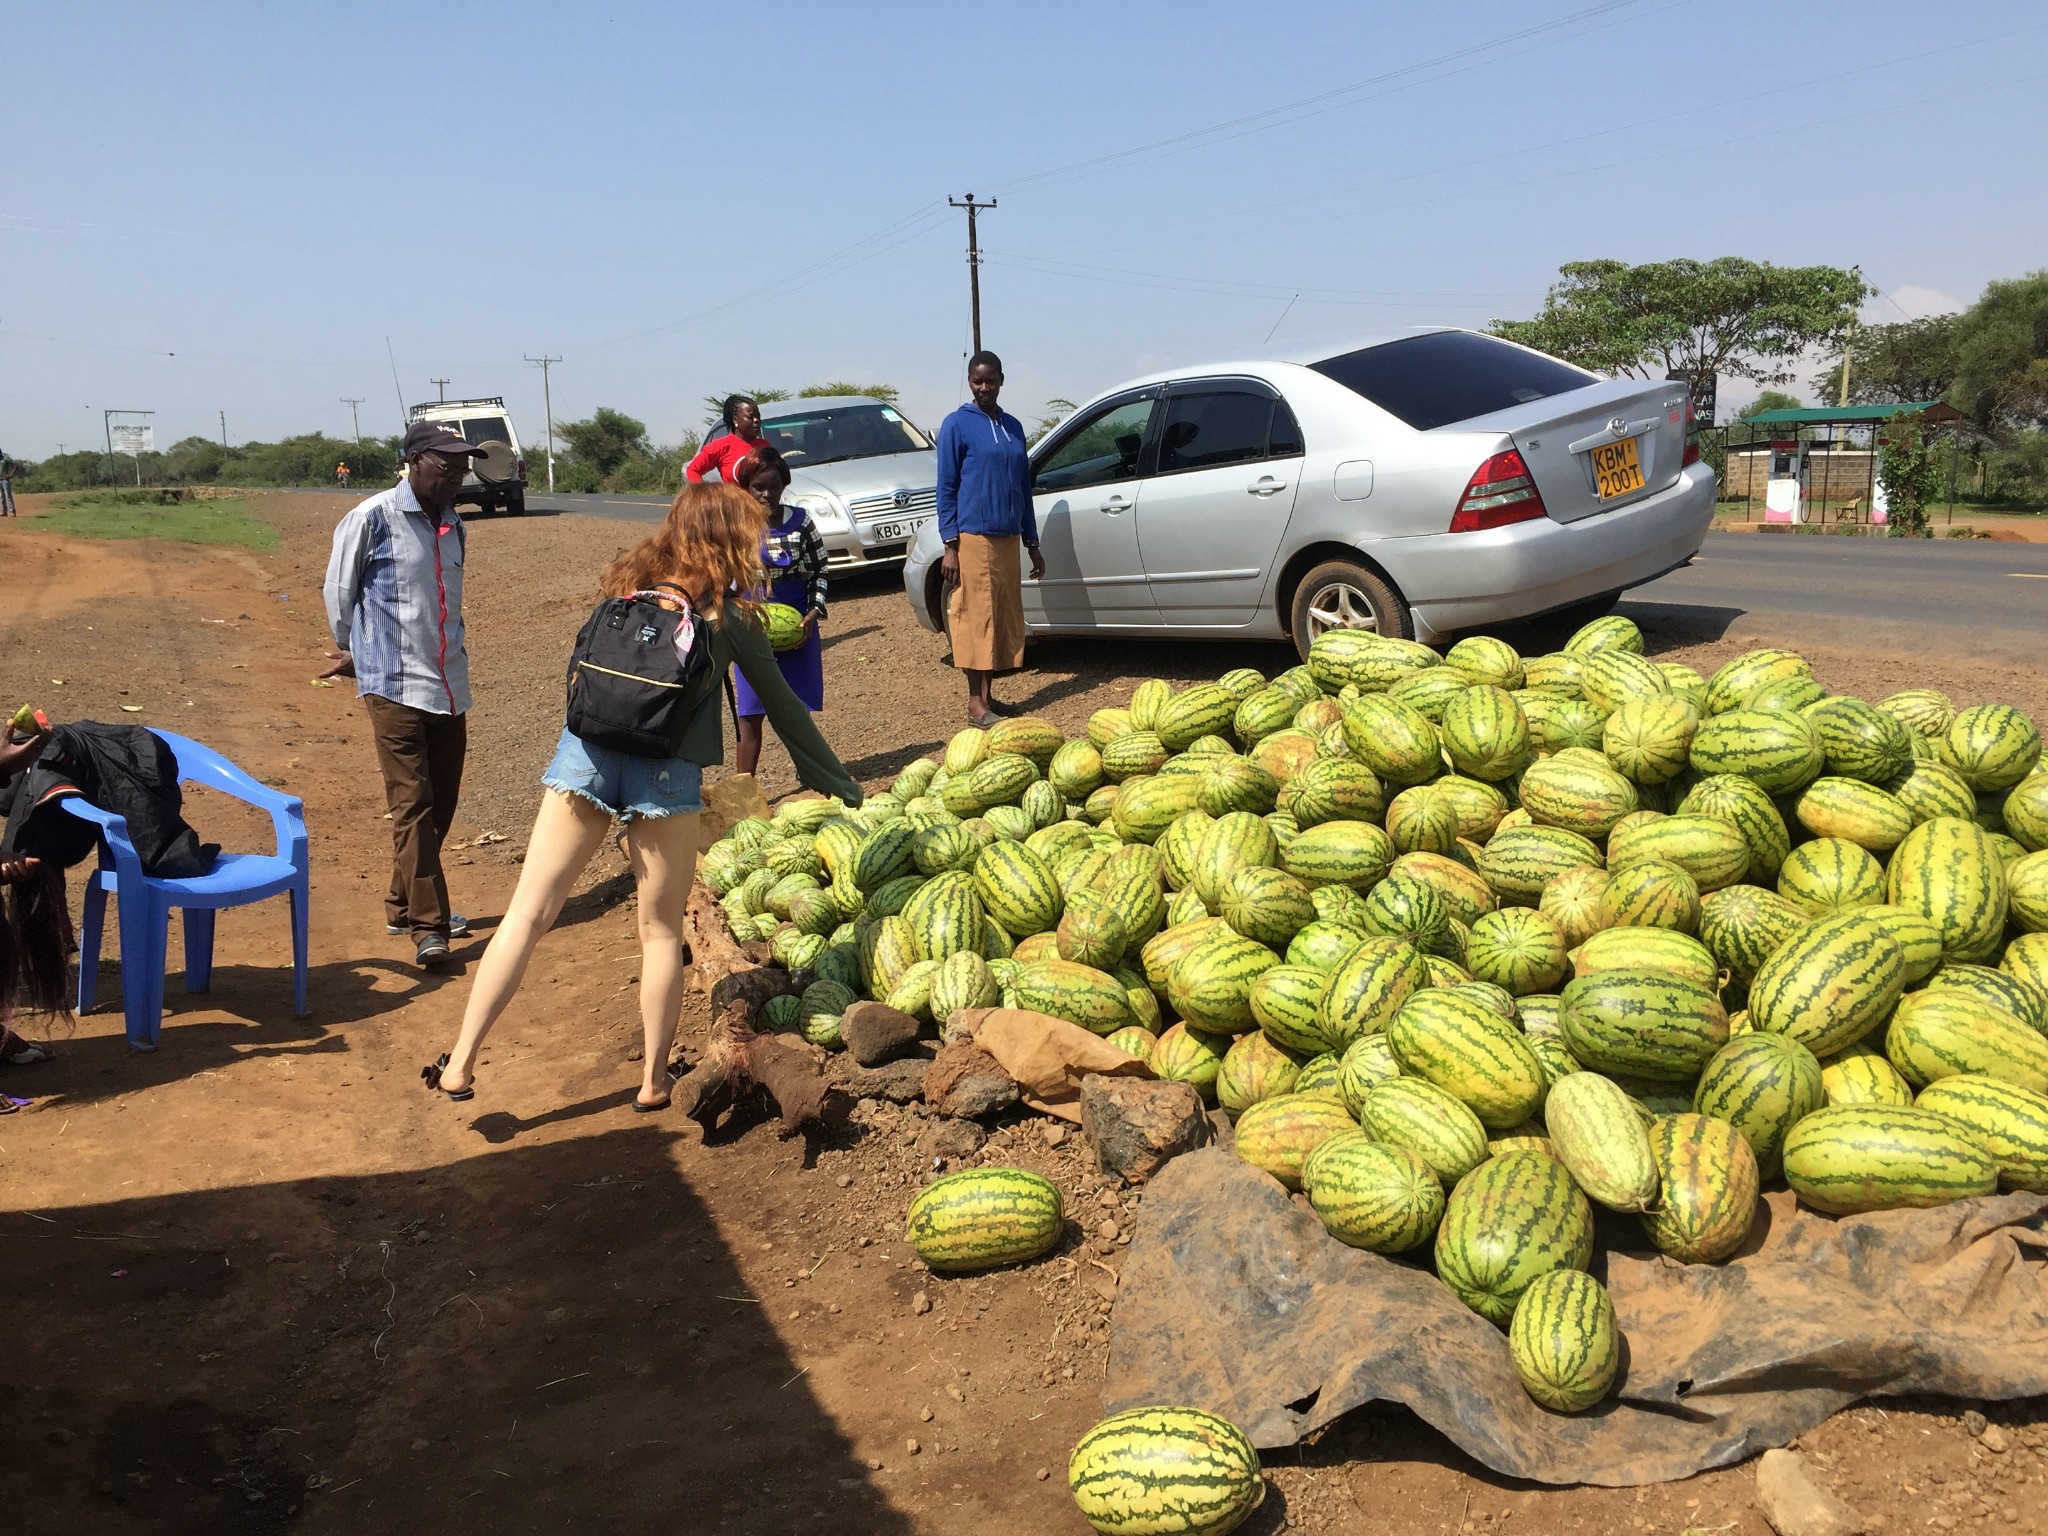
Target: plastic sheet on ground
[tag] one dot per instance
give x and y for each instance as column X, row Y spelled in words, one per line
column 1234, row 1299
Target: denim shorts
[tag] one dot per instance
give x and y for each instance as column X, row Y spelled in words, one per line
column 626, row 786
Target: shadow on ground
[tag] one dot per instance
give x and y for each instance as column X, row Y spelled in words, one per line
column 548, row 1337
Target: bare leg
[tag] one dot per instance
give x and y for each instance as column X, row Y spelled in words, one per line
column 565, row 834
column 979, row 687
column 663, row 852
column 746, row 755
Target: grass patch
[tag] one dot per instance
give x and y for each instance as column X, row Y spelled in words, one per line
column 122, row 515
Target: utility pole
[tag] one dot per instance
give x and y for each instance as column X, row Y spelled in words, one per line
column 1849, row 342
column 442, row 385
column 353, row 416
column 223, row 429
column 974, row 209
column 547, row 404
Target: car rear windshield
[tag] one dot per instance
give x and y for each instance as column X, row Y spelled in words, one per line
column 841, row 432
column 486, row 429
column 1446, row 376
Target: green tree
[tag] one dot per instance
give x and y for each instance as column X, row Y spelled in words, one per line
column 1903, row 364
column 2002, row 357
column 1770, row 400
column 605, row 442
column 1056, row 411
column 1729, row 316
column 1909, row 475
column 886, row 393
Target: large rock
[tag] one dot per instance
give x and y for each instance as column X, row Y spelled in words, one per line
column 1137, row 1124
column 900, row 1082
column 875, row 1033
column 951, row 1139
column 967, row 1083
column 1798, row 1506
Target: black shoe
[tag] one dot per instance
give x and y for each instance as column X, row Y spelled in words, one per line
column 458, row 927
column 432, row 951
column 431, row 1076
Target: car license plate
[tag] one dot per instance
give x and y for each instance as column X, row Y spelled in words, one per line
column 1616, row 469
column 902, row 530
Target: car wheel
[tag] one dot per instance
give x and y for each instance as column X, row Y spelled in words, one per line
column 936, row 604
column 515, row 504
column 1340, row 594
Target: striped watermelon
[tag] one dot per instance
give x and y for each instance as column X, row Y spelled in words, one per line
column 1001, row 779
column 1519, row 861
column 1831, row 874
column 1442, row 1131
column 1754, row 814
column 1601, row 1141
column 1322, row 1074
column 1744, row 924
column 2023, row 999
column 1353, row 853
column 1642, row 1023
column 1466, row 895
column 1649, row 949
column 1404, row 906
column 1934, row 1035
column 1184, row 1055
column 1486, row 660
column 963, row 981
column 1863, row 1157
column 1776, row 751
column 1479, row 806
column 1151, row 1471
column 1277, row 1135
column 1649, row 738
column 1519, row 949
column 1145, row 808
column 1572, row 900
column 1564, row 1341
column 1132, row 755
column 1238, row 840
column 1373, row 1195
column 1860, row 1075
column 1707, row 1183
column 2025, row 812
column 1611, row 632
column 1080, row 994
column 1508, row 1221
column 1860, row 740
column 1792, row 695
column 1091, row 931
column 1286, row 1001
column 1948, row 870
column 1993, row 746
column 1133, row 1040
column 2009, row 1121
column 2027, row 892
column 1763, row 1085
column 1243, row 682
column 1369, row 988
column 1611, row 679
column 1211, row 985
column 1925, row 711
column 1336, row 789
column 1237, row 784
column 1163, row 951
column 945, row 916
column 1421, row 820
column 1323, row 946
column 1259, row 716
column 1557, row 723
column 1710, row 849
column 2027, row 958
column 979, row 1218
column 1830, row 985
column 1017, row 889
column 1556, row 673
column 1583, row 796
column 1484, row 733
column 1471, row 1053
column 1269, row 906
column 1394, row 740
column 1651, row 893
column 1731, row 687
column 1430, row 692
column 1206, row 709
column 1856, row 811
column 1076, row 770
column 1253, row 1069
column 946, row 845
column 1929, row 789
column 1285, row 753
column 1367, row 1062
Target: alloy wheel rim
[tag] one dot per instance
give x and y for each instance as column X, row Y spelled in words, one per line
column 1340, row 606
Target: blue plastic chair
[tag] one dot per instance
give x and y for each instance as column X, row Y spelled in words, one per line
column 235, row 880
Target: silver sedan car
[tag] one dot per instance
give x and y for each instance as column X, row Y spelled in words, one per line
column 1429, row 483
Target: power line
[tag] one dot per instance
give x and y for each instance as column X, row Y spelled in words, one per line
column 548, row 404
column 442, row 385
column 973, row 256
column 352, row 402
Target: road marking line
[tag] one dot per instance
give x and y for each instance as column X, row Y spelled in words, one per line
column 2029, row 575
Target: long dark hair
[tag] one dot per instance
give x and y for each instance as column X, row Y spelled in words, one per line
column 35, row 946
column 731, row 407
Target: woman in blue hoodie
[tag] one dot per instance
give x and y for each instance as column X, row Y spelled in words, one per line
column 984, row 496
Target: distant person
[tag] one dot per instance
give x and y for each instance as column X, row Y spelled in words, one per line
column 742, row 418
column 706, row 553
column 793, row 556
column 394, row 605
column 341, row 475
column 7, row 469
column 984, row 496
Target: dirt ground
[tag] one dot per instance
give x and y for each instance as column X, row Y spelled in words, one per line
column 261, row 1279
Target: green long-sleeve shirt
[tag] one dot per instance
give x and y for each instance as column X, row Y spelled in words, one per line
column 735, row 641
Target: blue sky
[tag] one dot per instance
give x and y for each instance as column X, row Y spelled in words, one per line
column 678, row 199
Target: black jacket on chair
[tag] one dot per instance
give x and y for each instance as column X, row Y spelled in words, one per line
column 119, row 768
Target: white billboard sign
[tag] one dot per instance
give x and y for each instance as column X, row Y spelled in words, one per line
column 135, row 441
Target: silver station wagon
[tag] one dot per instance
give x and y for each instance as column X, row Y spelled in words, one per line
column 1430, row 483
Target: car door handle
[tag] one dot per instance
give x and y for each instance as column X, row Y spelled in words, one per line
column 1116, row 505
column 1266, row 485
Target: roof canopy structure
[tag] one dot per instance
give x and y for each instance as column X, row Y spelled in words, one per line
column 1844, row 415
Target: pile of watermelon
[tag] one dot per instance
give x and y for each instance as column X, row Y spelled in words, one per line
column 1471, row 943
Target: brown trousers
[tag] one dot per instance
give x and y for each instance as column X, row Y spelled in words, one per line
column 985, row 616
column 421, row 754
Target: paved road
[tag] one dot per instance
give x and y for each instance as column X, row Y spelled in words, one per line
column 1888, row 593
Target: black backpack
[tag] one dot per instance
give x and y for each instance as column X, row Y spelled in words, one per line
column 632, row 689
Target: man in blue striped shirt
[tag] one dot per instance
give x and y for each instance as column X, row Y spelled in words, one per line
column 394, row 604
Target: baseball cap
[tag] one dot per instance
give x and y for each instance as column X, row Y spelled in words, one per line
column 434, row 437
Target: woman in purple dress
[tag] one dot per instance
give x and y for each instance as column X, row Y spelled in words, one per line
column 794, row 557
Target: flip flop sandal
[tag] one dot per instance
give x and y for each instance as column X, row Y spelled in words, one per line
column 983, row 721
column 431, row 1076
column 650, row 1109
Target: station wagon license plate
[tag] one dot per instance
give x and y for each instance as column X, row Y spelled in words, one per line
column 901, row 531
column 1616, row 469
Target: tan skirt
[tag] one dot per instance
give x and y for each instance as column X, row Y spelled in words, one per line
column 986, row 612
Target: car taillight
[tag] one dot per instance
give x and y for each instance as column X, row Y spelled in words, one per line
column 1692, row 436
column 521, row 462
column 1500, row 492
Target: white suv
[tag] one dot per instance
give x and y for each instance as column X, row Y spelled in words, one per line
column 497, row 476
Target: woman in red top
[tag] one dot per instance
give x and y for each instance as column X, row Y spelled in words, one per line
column 742, row 419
